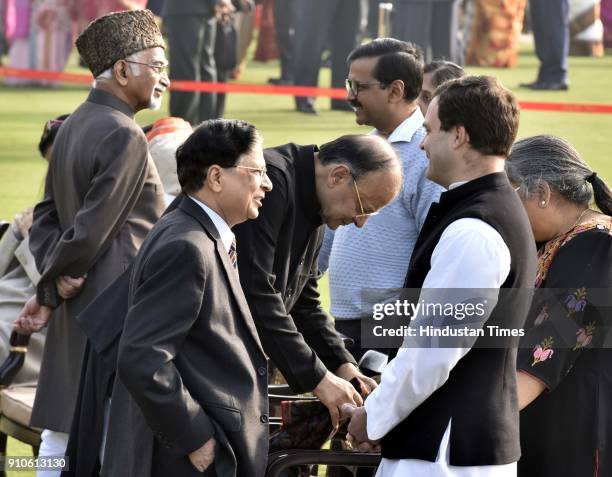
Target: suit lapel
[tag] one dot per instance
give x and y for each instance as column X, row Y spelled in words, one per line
column 190, row 207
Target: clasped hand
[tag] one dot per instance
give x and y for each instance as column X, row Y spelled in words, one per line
column 334, row 390
column 357, row 435
column 33, row 317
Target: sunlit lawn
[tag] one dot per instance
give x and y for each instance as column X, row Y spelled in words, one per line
column 24, row 111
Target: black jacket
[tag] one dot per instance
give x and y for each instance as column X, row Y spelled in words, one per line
column 480, row 394
column 277, row 259
column 190, row 365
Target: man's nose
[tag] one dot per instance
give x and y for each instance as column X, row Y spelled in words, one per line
column 266, row 183
column 360, row 221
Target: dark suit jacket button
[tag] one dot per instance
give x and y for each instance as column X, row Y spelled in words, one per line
column 262, row 371
column 263, row 418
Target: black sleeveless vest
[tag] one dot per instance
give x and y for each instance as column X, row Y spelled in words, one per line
column 480, row 394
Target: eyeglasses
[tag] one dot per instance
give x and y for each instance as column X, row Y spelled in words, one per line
column 261, row 172
column 363, row 212
column 158, row 68
column 353, row 87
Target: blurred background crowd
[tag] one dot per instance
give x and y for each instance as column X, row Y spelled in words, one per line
column 212, row 43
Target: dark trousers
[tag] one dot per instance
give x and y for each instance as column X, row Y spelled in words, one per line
column 285, row 13
column 431, row 24
column 351, row 329
column 372, row 29
column 550, row 22
column 191, row 41
column 156, row 6
column 322, row 23
column 222, row 77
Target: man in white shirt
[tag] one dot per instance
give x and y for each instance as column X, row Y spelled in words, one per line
column 453, row 411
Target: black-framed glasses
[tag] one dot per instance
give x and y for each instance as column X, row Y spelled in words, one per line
column 260, row 171
column 159, row 68
column 361, row 209
column 353, row 87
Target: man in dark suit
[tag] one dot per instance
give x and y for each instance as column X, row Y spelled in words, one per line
column 341, row 183
column 550, row 21
column 285, row 19
column 431, row 24
column 322, row 24
column 102, row 196
column 191, row 29
column 191, row 390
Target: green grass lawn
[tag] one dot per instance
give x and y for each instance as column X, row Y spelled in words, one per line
column 23, row 112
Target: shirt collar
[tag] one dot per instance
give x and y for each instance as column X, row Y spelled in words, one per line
column 105, row 98
column 460, row 191
column 456, row 184
column 306, row 184
column 227, row 236
column 405, row 131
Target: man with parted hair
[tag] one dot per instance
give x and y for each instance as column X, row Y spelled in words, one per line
column 190, row 397
column 453, row 411
column 343, row 182
column 435, row 74
column 383, row 85
column 102, row 196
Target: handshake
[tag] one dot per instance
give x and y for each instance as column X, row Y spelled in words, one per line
column 357, row 435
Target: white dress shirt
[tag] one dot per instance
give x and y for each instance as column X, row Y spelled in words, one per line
column 226, row 234
column 470, row 254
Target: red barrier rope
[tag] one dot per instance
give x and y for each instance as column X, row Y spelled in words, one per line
column 245, row 88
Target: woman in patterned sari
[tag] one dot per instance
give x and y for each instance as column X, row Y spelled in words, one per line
column 564, row 363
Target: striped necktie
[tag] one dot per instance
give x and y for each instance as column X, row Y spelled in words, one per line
column 233, row 254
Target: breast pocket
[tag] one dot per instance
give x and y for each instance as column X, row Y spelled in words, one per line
column 229, row 418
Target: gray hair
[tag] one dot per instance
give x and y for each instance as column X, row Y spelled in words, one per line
column 360, row 153
column 108, row 73
column 554, row 161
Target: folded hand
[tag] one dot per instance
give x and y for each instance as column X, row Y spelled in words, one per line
column 204, row 456
column 33, row 317
column 357, row 429
column 67, row 287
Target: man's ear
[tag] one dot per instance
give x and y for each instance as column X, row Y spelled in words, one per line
column 120, row 72
column 461, row 136
column 396, row 89
column 214, row 178
column 338, row 174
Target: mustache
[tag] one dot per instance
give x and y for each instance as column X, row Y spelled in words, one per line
column 354, row 103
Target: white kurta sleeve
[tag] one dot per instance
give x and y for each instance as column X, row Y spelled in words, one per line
column 470, row 254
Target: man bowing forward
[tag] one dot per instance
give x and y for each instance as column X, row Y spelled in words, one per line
column 191, row 388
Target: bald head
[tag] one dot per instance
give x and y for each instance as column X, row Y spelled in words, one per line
column 356, row 176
